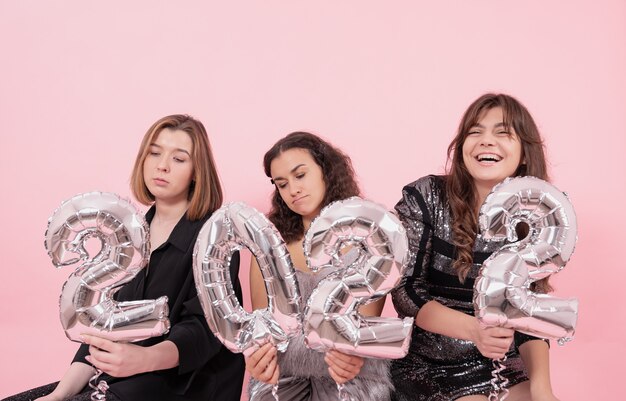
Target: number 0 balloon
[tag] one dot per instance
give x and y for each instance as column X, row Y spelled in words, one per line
column 502, row 294
column 230, row 228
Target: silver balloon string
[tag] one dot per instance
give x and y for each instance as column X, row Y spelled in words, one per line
column 343, row 394
column 275, row 391
column 563, row 340
column 499, row 383
column 100, row 389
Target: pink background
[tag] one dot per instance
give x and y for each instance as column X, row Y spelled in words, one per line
column 386, row 81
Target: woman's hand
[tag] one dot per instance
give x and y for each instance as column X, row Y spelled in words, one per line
column 343, row 367
column 117, row 359
column 492, row 342
column 263, row 364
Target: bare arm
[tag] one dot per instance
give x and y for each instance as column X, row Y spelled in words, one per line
column 373, row 309
column 258, row 294
column 73, row 381
column 440, row 319
column 536, row 357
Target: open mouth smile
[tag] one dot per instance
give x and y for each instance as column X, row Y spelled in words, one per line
column 488, row 158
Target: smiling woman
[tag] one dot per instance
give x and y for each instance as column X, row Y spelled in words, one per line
column 491, row 151
column 450, row 353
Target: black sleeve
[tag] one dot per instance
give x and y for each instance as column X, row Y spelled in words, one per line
column 412, row 292
column 521, row 338
column 191, row 335
column 82, row 352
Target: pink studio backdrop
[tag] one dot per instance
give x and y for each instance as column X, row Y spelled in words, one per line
column 386, row 81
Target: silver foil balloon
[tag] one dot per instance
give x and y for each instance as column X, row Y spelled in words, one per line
column 369, row 247
column 230, row 228
column 502, row 294
column 86, row 302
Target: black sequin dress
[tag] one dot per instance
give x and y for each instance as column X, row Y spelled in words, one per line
column 438, row 367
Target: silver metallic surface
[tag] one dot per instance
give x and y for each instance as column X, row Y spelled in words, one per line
column 368, row 248
column 86, row 302
column 230, row 228
column 502, row 291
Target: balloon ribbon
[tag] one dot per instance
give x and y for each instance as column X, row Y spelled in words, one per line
column 343, row 394
column 100, row 389
column 499, row 383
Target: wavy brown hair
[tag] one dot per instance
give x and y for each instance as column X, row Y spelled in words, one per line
column 205, row 192
column 460, row 189
column 337, row 171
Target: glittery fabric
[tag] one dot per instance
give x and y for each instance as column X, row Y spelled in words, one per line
column 438, row 367
column 304, row 374
column 35, row 393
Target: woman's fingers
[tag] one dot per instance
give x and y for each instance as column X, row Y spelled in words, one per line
column 270, row 373
column 274, row 370
column 493, row 342
column 259, row 360
column 99, row 342
column 263, row 364
column 336, row 377
column 101, row 350
column 500, row 332
column 343, row 367
column 499, row 339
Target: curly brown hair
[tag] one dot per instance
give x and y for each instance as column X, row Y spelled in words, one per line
column 337, row 170
column 460, row 190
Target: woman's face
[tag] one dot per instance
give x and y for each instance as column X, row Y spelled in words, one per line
column 168, row 168
column 491, row 151
column 300, row 181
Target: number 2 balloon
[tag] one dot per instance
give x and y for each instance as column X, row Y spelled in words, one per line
column 502, row 292
column 86, row 303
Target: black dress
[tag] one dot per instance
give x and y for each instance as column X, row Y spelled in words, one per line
column 207, row 370
column 438, row 367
